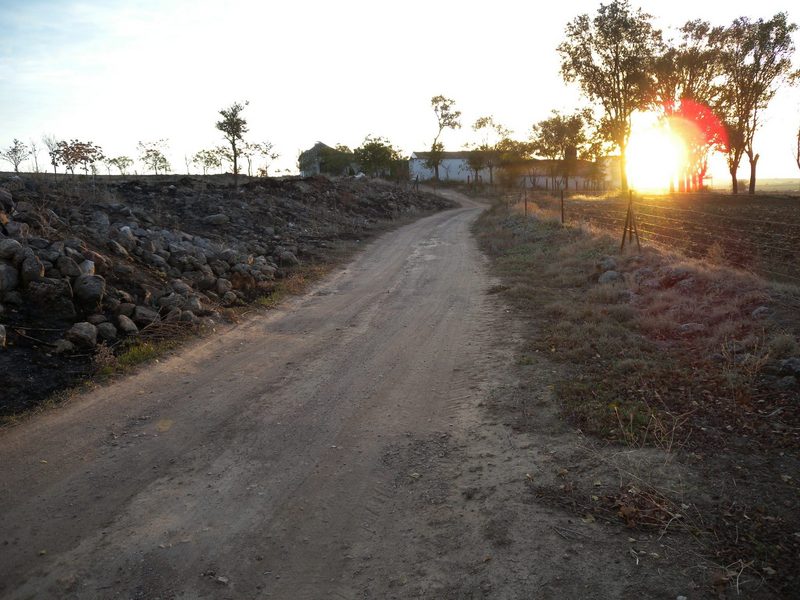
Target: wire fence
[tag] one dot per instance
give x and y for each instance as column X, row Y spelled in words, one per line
column 759, row 234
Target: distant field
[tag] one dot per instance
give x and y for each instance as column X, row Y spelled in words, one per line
column 759, row 233
column 762, row 185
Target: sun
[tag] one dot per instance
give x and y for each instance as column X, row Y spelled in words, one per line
column 656, row 154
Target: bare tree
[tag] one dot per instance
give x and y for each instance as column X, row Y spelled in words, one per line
column 153, row 157
column 51, row 143
column 15, row 154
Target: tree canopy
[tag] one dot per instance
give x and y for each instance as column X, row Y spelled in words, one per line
column 612, row 56
column 233, row 127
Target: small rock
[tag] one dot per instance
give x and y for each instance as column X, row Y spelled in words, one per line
column 31, row 269
column 609, row 277
column 87, row 267
column 217, row 219
column 222, row 580
column 609, row 263
column 144, row 316
column 68, row 267
column 62, row 346
column 9, row 248
column 127, row 325
column 688, row 329
column 790, row 366
column 97, row 319
column 9, row 277
column 760, row 312
column 107, row 331
column 82, row 334
column 787, row 383
column 229, row 298
column 90, row 289
column 223, row 286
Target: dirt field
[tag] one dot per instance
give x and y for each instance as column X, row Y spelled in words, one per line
column 378, row 438
column 759, row 233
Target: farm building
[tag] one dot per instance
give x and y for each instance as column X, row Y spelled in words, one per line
column 321, row 158
column 532, row 172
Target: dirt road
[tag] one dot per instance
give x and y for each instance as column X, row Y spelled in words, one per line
column 344, row 446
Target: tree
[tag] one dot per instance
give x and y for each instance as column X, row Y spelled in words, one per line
column 15, row 153
column 121, row 163
column 756, row 58
column 265, row 149
column 35, row 148
column 797, row 149
column 376, row 156
column 207, row 159
column 153, row 157
column 446, row 118
column 613, row 56
column 560, row 138
column 490, row 130
column 233, row 128
column 688, row 88
column 476, row 161
column 51, row 143
column 74, row 153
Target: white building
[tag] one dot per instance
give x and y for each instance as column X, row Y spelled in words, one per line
column 454, row 167
column 530, row 173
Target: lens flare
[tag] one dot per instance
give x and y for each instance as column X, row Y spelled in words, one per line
column 656, row 153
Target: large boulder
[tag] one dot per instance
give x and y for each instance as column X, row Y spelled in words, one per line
column 89, row 289
column 82, row 334
column 9, row 277
column 53, row 296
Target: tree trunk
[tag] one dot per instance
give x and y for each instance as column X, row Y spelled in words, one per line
column 734, row 182
column 623, row 175
column 753, row 162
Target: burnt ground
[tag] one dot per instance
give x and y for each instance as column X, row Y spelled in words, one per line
column 256, row 238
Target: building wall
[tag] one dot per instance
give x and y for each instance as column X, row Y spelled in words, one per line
column 451, row 169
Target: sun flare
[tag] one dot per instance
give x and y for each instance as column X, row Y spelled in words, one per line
column 655, row 155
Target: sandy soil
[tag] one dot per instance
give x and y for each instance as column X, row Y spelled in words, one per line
column 361, row 442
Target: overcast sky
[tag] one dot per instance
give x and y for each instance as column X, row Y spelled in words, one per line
column 119, row 72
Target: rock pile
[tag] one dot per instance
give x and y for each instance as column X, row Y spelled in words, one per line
column 84, row 264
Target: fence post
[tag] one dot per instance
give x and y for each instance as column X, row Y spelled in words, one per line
column 630, row 227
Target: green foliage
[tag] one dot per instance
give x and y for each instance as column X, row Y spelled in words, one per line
column 15, row 153
column 612, row 56
column 376, row 156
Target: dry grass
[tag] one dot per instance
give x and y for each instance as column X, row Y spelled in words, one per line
column 671, row 356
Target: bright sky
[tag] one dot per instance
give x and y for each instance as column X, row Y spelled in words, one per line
column 116, row 72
